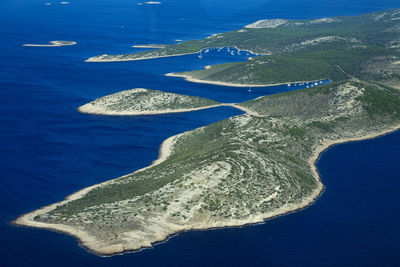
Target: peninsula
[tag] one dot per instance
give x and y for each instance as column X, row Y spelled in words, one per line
column 149, row 46
column 251, row 167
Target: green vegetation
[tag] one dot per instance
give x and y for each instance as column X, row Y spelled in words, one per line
column 325, row 126
column 142, row 101
column 297, row 132
column 255, row 165
column 378, row 102
column 270, row 70
column 365, row 46
column 236, row 169
column 304, row 66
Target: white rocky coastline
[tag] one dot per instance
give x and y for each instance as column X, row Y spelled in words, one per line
column 166, row 230
column 142, row 101
column 195, row 80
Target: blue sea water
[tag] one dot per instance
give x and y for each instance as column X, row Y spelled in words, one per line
column 49, row 150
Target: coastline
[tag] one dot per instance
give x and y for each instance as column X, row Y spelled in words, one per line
column 329, row 143
column 90, row 109
column 93, row 245
column 254, row 53
column 84, row 239
column 148, row 46
column 94, row 59
column 264, row 241
column 194, row 80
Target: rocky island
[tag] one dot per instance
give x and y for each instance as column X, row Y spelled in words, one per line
column 142, row 101
column 53, row 44
column 254, row 166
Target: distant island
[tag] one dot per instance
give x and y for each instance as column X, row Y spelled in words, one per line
column 53, row 43
column 252, row 167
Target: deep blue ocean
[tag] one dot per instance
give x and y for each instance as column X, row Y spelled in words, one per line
column 48, row 150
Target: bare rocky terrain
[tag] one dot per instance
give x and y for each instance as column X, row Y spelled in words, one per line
column 238, row 171
column 250, row 167
column 142, row 101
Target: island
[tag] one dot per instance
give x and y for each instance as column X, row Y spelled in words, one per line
column 53, row 44
column 296, row 50
column 251, row 167
column 142, row 101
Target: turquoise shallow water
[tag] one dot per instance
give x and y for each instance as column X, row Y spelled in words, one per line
column 48, row 150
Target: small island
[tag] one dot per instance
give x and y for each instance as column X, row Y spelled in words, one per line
column 53, row 44
column 149, row 46
column 251, row 167
column 142, row 101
